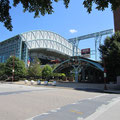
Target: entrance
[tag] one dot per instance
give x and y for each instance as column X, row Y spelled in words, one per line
column 83, row 69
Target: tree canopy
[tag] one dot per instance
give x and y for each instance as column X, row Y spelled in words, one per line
column 47, row 71
column 19, row 67
column 2, row 69
column 110, row 54
column 35, row 69
column 46, row 7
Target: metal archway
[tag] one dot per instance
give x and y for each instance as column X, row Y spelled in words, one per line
column 77, row 63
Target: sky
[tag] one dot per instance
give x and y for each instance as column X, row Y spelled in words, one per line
column 69, row 23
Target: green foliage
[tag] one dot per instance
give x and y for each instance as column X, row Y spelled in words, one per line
column 59, row 75
column 54, row 66
column 46, row 7
column 4, row 14
column 36, row 61
column 62, row 74
column 2, row 69
column 33, row 6
column 35, row 69
column 110, row 51
column 47, row 71
column 19, row 67
column 101, row 4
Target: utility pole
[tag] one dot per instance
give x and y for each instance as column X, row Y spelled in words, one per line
column 105, row 74
column 13, row 69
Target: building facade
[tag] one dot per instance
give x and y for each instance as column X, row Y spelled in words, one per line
column 13, row 46
column 44, row 45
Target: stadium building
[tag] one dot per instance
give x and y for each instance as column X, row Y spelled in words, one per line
column 50, row 47
column 45, row 45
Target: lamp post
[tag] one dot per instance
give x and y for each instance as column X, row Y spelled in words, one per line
column 13, row 70
column 105, row 74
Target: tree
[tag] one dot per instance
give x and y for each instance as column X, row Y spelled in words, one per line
column 19, row 67
column 101, row 4
column 2, row 69
column 110, row 55
column 35, row 69
column 54, row 66
column 45, row 7
column 47, row 71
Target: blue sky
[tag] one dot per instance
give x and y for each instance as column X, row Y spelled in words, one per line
column 61, row 21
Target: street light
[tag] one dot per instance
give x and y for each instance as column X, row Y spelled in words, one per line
column 105, row 74
column 13, row 70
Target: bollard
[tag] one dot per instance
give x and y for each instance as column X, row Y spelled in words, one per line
column 45, row 82
column 32, row 82
column 38, row 82
column 54, row 83
column 26, row 81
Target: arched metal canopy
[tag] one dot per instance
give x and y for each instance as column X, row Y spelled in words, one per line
column 61, row 66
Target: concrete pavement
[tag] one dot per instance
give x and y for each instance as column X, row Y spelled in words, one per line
column 112, row 88
column 19, row 102
column 111, row 114
column 102, row 107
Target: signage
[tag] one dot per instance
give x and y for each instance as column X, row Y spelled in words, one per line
column 85, row 53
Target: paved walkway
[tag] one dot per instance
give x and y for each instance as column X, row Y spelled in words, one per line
column 112, row 88
column 111, row 114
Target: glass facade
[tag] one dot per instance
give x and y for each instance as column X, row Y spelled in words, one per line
column 24, row 54
column 43, row 41
column 13, row 46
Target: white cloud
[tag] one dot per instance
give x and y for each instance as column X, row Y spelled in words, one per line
column 72, row 31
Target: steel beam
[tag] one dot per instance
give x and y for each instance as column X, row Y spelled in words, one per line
column 98, row 35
